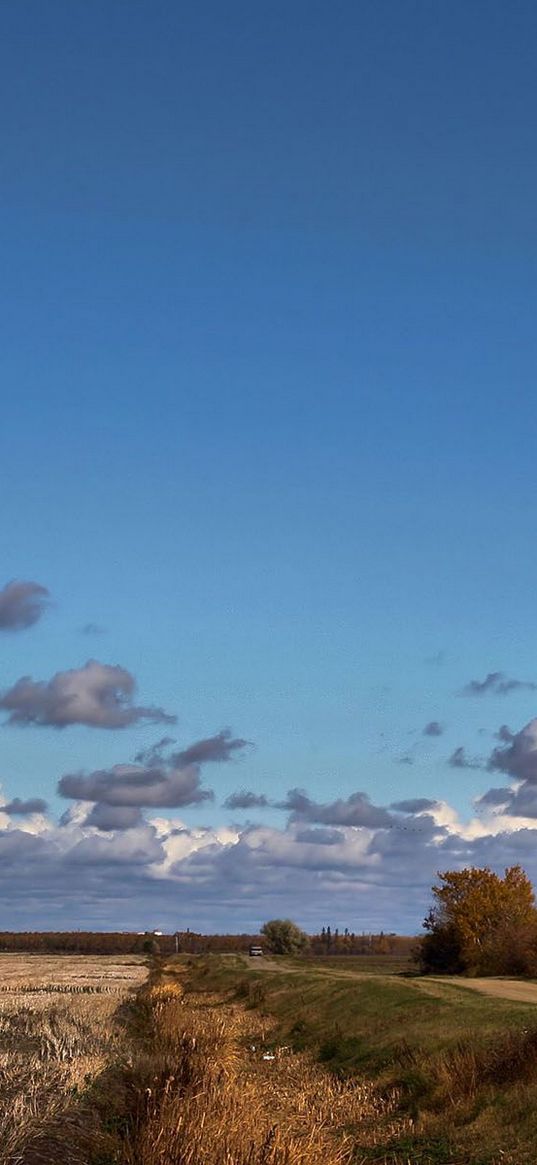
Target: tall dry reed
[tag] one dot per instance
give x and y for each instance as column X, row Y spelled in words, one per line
column 211, row 1100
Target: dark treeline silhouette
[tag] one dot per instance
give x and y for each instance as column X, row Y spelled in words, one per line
column 328, row 942
column 333, row 941
column 123, row 943
column 72, row 942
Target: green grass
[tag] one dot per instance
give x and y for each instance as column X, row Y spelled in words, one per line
column 465, row 1069
column 367, row 964
column 370, row 1022
column 418, row 1150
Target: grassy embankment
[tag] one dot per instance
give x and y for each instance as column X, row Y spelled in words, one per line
column 95, row 1072
column 464, row 1067
column 379, row 1069
column 212, row 1099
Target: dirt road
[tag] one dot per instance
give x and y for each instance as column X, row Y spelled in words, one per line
column 518, row 990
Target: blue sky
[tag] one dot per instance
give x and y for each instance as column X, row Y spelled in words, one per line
column 268, row 357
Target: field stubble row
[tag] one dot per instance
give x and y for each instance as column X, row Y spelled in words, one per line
column 188, row 1068
column 58, row 1034
column 163, row 1079
column 217, row 1099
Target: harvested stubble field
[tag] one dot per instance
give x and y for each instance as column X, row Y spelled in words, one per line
column 59, row 1032
column 98, row 1067
column 69, row 973
column 215, row 1062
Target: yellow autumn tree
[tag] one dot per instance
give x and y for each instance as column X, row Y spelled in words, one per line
column 481, row 923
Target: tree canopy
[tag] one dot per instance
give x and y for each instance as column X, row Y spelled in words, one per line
column 283, row 937
column 481, row 923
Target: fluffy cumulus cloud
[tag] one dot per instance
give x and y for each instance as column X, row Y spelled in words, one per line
column 221, row 747
column 111, row 817
column 21, row 605
column 414, row 805
column 19, row 808
column 98, row 695
column 496, row 683
column 217, row 749
column 319, row 836
column 516, row 758
column 516, row 755
column 134, row 785
column 110, row 869
column 356, row 810
column 155, row 780
column 138, row 847
column 495, row 797
column 516, row 802
column 121, row 857
column 118, row 858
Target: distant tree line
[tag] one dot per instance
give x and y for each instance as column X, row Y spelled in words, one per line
column 479, row 924
column 330, row 941
column 333, row 941
column 73, row 942
column 192, row 943
column 123, row 942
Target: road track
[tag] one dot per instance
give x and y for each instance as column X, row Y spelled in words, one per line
column 517, row 990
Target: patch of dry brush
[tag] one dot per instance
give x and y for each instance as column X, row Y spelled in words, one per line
column 211, row 1100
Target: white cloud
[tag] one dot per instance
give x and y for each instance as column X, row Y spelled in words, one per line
column 372, row 875
column 98, row 695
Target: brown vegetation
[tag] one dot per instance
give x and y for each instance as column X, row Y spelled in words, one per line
column 330, row 941
column 481, row 924
column 123, row 942
column 58, row 1034
column 88, row 1077
column 95, row 1073
column 215, row 1100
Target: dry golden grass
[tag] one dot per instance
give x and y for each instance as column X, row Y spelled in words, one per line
column 23, row 972
column 182, row 1078
column 58, row 1033
column 214, row 1100
column 174, row 1079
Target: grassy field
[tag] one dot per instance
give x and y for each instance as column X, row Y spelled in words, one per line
column 370, row 1018
column 225, row 1061
column 374, row 964
column 462, row 1066
column 58, row 1035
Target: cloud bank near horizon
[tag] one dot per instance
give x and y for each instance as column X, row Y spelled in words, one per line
column 110, row 866
column 120, row 856
column 115, row 858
